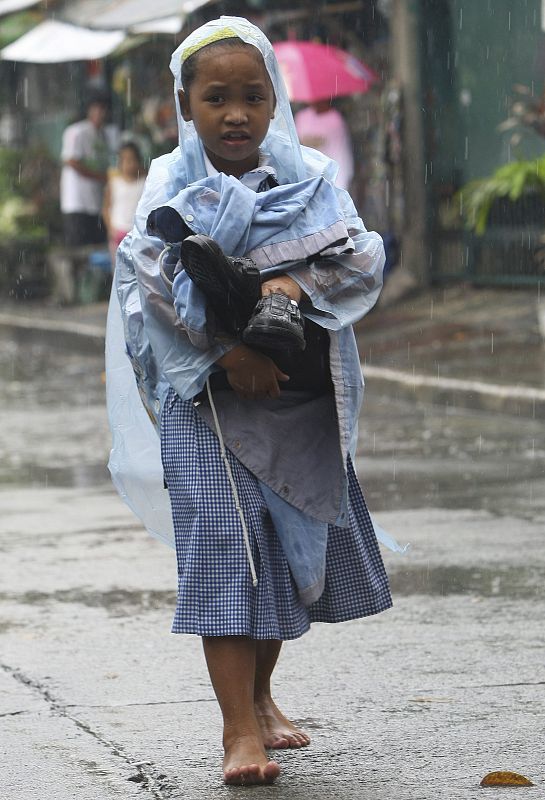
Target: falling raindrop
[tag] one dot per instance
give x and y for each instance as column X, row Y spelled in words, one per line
column 492, row 342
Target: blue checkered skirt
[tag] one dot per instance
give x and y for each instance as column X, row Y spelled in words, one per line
column 215, row 592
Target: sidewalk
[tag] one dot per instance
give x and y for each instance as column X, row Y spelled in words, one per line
column 465, row 347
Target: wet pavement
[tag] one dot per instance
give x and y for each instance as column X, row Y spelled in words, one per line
column 460, row 347
column 97, row 700
column 415, row 455
column 460, row 332
column 55, row 430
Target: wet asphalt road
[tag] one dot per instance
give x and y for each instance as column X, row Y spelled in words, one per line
column 98, row 701
column 410, row 455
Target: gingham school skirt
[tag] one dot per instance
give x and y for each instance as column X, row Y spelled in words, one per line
column 215, row 592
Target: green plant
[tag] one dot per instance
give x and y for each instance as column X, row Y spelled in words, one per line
column 26, row 207
column 510, row 182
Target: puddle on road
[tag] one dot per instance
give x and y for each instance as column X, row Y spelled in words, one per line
column 37, row 373
column 410, row 455
column 415, row 455
column 514, row 583
column 55, row 430
column 66, row 477
column 118, row 602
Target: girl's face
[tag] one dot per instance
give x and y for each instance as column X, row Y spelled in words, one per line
column 128, row 163
column 231, row 103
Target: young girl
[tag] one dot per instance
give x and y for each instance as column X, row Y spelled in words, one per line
column 271, row 529
column 122, row 193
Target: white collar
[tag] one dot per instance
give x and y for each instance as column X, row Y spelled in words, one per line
column 251, row 179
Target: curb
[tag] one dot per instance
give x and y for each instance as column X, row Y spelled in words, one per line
column 523, row 401
column 68, row 335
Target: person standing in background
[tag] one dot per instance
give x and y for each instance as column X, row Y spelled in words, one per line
column 86, row 151
column 323, row 127
column 123, row 189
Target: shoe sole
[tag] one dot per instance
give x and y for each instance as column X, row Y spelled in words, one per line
column 193, row 254
column 272, row 337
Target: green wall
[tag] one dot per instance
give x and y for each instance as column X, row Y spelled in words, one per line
column 474, row 53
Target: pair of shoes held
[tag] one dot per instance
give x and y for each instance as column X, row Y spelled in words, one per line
column 232, row 287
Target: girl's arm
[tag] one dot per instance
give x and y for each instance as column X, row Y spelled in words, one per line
column 343, row 289
column 82, row 169
column 106, row 208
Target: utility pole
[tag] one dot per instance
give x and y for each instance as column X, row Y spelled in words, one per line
column 406, row 47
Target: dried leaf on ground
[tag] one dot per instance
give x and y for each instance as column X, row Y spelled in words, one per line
column 503, row 778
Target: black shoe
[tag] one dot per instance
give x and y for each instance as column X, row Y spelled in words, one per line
column 232, row 286
column 276, row 324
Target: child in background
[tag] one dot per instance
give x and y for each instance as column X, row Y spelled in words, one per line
column 271, row 529
column 124, row 188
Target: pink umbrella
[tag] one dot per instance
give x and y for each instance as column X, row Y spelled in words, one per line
column 319, row 72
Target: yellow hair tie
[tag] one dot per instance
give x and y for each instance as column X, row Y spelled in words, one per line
column 224, row 33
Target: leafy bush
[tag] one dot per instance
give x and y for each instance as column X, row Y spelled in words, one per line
column 511, row 181
column 28, row 180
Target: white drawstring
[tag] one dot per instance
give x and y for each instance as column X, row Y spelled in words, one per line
column 164, row 276
column 233, row 485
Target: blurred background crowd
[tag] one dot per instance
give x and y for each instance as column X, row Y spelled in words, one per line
column 439, row 136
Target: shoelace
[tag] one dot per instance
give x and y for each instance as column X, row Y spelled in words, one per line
column 233, row 484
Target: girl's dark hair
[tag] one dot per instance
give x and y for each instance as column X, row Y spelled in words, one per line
column 189, row 66
column 131, row 146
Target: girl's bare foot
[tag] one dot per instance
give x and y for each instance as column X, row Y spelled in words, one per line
column 276, row 729
column 245, row 761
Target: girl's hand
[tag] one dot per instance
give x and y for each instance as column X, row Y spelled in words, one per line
column 251, row 374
